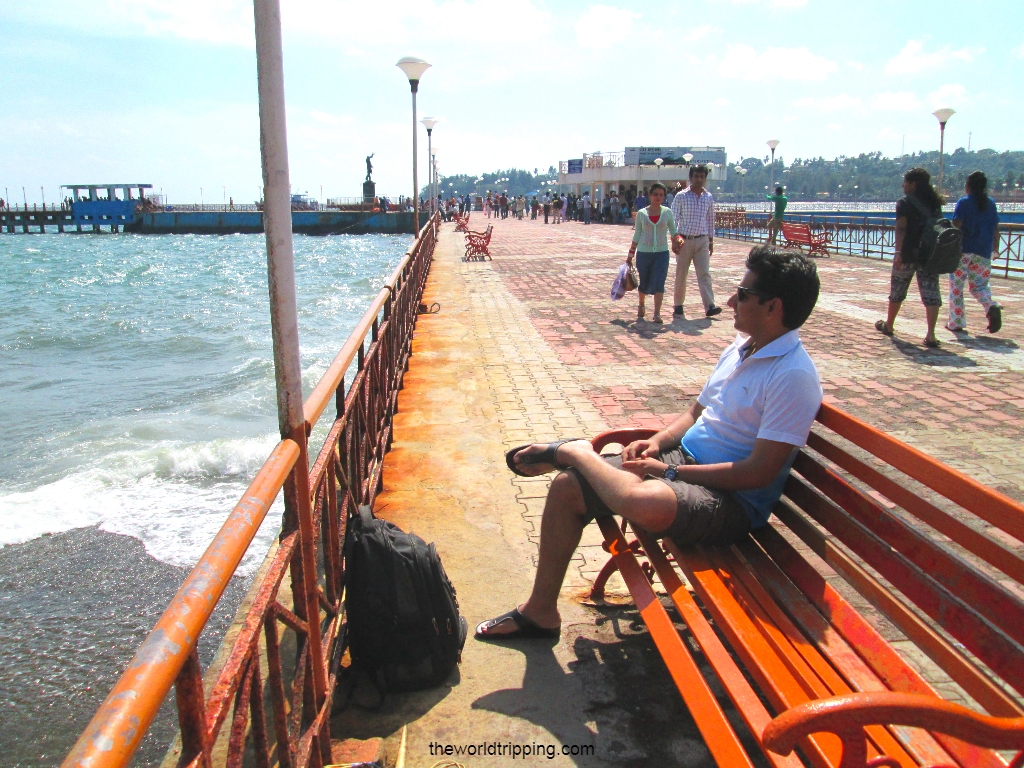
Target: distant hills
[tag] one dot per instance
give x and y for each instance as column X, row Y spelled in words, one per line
column 868, row 176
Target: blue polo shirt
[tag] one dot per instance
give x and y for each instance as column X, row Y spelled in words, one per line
column 773, row 394
column 979, row 227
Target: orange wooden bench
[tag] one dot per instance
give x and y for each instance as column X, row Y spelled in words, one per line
column 477, row 245
column 800, row 236
column 775, row 616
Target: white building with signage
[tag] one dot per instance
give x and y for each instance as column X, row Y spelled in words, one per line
column 637, row 167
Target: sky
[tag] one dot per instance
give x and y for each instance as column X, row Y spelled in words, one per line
column 99, row 91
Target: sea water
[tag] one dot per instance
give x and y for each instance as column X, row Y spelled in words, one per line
column 137, row 398
column 137, row 379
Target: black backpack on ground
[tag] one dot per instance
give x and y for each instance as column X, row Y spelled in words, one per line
column 941, row 245
column 404, row 626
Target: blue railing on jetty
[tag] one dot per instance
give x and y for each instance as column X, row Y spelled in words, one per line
column 868, row 236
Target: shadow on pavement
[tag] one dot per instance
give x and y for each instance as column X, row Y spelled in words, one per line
column 940, row 358
column 989, row 344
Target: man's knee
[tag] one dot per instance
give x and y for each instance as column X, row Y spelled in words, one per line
column 565, row 495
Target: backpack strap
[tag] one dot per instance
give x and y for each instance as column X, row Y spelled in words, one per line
column 920, row 207
column 365, row 516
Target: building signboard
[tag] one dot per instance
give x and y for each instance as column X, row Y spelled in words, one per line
column 576, row 166
column 674, row 155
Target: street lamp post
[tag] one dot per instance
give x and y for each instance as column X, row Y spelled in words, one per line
column 657, row 172
column 429, row 123
column 433, row 178
column 773, row 143
column 743, row 176
column 943, row 116
column 414, row 69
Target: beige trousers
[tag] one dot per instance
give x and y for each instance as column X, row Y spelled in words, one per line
column 697, row 251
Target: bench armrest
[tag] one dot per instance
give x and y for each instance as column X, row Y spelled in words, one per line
column 621, row 436
column 847, row 715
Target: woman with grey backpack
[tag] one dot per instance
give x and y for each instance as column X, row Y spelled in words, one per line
column 919, row 202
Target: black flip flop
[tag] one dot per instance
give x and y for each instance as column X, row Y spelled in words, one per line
column 880, row 327
column 546, row 456
column 525, row 628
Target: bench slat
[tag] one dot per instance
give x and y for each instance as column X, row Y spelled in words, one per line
column 973, row 541
column 825, row 638
column 773, row 676
column 791, row 644
column 714, row 726
column 990, row 644
column 989, row 598
column 883, row 659
column 743, row 696
column 992, row 506
column 935, row 646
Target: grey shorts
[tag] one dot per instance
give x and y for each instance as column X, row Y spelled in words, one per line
column 703, row 515
column 927, row 285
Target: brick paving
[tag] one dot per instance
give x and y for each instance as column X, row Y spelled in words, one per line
column 530, row 347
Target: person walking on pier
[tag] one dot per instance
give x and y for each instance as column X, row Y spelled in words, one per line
column 919, row 201
column 557, row 205
column 775, row 222
column 694, row 210
column 586, row 207
column 654, row 225
column 547, row 206
column 976, row 216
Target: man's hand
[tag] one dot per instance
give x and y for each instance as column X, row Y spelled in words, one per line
column 644, row 467
column 711, row 247
column 640, row 449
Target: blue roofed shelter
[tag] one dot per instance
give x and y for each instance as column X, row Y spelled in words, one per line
column 89, row 208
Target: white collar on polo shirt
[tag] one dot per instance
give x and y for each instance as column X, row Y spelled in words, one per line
column 785, row 343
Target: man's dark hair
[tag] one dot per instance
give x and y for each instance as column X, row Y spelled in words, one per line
column 778, row 190
column 658, row 185
column 788, row 276
column 698, row 169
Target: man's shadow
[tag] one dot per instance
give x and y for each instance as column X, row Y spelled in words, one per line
column 627, row 694
column 989, row 344
column 647, row 330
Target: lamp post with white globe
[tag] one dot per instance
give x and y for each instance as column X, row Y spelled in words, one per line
column 414, row 69
column 773, row 143
column 743, row 175
column 943, row 116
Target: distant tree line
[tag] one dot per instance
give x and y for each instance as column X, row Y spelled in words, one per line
column 868, row 176
column 871, row 176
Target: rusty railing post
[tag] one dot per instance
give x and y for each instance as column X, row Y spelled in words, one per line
column 277, row 216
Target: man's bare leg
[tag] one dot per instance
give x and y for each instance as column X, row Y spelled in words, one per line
column 651, row 505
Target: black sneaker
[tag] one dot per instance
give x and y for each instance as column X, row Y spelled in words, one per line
column 995, row 318
column 678, row 310
column 713, row 310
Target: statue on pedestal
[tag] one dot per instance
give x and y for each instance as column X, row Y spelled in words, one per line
column 369, row 165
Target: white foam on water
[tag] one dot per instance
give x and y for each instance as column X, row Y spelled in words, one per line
column 173, row 497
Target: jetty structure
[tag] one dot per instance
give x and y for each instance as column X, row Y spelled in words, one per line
column 452, row 364
column 631, row 170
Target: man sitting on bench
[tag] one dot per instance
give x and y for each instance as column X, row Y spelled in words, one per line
column 712, row 475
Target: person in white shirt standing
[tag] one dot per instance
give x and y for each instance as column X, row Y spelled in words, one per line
column 694, row 213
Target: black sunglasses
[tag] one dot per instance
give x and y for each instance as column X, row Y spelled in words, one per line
column 742, row 293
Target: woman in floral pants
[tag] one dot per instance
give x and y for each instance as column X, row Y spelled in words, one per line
column 976, row 216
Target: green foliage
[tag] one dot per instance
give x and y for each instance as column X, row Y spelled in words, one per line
column 513, row 180
column 870, row 176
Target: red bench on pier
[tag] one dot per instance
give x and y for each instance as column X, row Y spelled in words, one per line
column 477, row 245
column 462, row 222
column 776, row 609
column 799, row 236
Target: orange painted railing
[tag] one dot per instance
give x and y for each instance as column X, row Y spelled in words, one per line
column 347, row 471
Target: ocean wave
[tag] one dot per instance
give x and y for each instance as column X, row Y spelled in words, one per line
column 173, row 498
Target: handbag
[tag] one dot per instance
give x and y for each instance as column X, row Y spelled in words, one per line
column 632, row 277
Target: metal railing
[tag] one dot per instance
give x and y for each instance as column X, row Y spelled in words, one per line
column 346, row 472
column 866, row 236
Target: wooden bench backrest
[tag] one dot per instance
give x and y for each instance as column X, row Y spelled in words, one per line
column 971, row 589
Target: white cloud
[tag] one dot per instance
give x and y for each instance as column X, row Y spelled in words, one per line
column 1019, row 51
column 788, row 3
column 742, row 62
column 602, row 26
column 913, row 60
column 841, row 102
column 721, row 101
column 947, row 94
column 896, row 101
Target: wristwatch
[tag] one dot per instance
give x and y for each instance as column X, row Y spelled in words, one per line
column 670, row 474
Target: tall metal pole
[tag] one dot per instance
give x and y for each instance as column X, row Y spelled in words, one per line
column 942, row 140
column 771, row 186
column 414, row 84
column 430, row 169
column 284, row 319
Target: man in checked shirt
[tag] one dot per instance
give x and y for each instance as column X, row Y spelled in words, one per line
column 694, row 212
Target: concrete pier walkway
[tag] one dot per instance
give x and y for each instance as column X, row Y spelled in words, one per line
column 530, row 347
